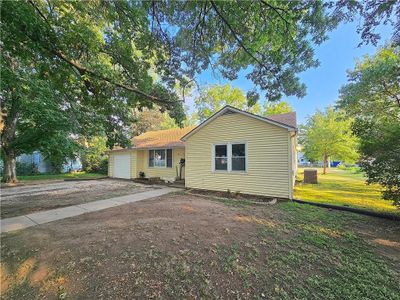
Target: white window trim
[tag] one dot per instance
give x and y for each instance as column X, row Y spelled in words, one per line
column 229, row 152
column 166, row 158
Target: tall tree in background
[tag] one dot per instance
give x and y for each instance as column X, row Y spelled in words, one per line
column 276, row 108
column 327, row 135
column 215, row 97
column 372, row 99
column 148, row 120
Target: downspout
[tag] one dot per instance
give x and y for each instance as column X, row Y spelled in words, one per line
column 291, row 164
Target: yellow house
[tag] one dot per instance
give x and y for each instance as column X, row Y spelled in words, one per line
column 154, row 154
column 232, row 150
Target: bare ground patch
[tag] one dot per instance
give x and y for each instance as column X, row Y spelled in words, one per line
column 27, row 199
column 184, row 246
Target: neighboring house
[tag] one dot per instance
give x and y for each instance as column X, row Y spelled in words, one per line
column 42, row 165
column 302, row 161
column 36, row 160
column 232, row 150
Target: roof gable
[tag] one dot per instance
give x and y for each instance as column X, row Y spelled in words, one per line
column 287, row 121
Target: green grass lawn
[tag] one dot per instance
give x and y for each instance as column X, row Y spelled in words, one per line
column 76, row 175
column 343, row 187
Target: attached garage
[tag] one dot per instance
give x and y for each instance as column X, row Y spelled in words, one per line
column 121, row 166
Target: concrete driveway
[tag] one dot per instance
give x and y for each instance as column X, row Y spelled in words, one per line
column 29, row 220
column 22, row 200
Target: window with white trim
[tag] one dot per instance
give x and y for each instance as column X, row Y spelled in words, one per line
column 221, row 158
column 230, row 157
column 238, row 157
column 160, row 158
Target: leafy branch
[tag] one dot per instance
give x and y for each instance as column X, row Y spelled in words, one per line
column 85, row 71
column 234, row 34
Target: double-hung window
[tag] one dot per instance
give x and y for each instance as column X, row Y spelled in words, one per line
column 221, row 157
column 238, row 157
column 230, row 157
column 160, row 158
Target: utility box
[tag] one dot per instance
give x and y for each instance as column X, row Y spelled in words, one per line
column 310, row 176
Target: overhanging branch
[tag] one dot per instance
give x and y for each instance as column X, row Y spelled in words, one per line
column 235, row 36
column 276, row 10
column 83, row 70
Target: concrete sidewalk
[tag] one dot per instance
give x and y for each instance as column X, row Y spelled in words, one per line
column 21, row 222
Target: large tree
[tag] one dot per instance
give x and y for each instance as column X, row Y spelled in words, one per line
column 98, row 57
column 372, row 99
column 75, row 68
column 215, row 97
column 327, row 135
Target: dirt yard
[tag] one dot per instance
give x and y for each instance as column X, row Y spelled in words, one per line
column 21, row 200
column 184, row 246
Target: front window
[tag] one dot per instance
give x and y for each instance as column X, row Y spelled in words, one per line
column 160, row 158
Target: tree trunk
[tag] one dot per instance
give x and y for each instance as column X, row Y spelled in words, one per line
column 8, row 142
column 325, row 164
column 10, row 172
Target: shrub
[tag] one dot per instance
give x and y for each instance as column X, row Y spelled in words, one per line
column 354, row 169
column 103, row 167
column 25, row 169
column 94, row 158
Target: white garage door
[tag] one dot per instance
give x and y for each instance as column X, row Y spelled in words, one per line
column 122, row 166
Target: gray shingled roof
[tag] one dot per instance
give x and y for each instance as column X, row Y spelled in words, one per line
column 287, row 118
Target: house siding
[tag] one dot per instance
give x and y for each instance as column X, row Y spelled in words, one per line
column 133, row 164
column 111, row 165
column 163, row 173
column 269, row 165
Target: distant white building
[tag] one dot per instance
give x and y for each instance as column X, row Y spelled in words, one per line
column 302, row 161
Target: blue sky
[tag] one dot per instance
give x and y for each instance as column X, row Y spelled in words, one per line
column 336, row 55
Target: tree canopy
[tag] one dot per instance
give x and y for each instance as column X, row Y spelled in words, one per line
column 95, row 60
column 151, row 119
column 215, row 97
column 372, row 99
column 276, row 108
column 327, row 135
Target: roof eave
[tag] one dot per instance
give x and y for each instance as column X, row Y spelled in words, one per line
column 121, row 150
